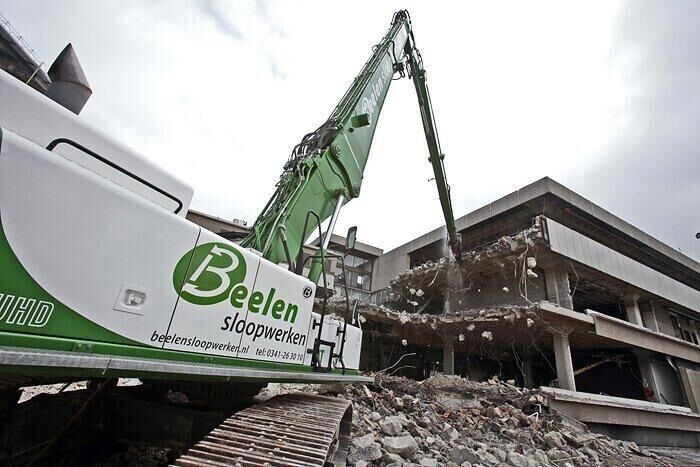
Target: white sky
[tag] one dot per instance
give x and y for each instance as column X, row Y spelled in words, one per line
column 219, row 92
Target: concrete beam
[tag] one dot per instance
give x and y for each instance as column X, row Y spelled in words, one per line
column 562, row 354
column 637, row 336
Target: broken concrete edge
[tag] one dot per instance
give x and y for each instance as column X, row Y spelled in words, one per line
column 601, row 399
column 510, row 248
column 537, row 312
column 386, row 315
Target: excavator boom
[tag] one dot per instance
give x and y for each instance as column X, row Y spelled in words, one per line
column 326, row 168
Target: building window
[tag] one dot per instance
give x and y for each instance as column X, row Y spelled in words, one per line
column 683, row 329
column 358, row 274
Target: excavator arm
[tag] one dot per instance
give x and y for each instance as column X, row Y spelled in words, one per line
column 417, row 73
column 326, row 168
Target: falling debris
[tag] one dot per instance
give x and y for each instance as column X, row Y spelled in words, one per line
column 530, row 322
column 531, row 262
column 506, row 289
column 461, row 337
column 404, row 342
column 419, row 293
column 470, row 327
column 362, row 319
column 435, row 273
column 412, row 291
column 531, row 274
column 487, row 335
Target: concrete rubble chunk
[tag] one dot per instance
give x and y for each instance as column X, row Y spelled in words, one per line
column 364, row 448
column 460, row 454
column 404, row 446
column 500, row 454
column 391, row 426
column 579, row 439
column 554, row 439
column 391, row 458
column 486, row 457
column 557, row 455
column 517, row 460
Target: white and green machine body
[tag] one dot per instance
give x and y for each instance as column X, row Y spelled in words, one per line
column 102, row 275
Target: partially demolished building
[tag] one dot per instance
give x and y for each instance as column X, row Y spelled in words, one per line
column 551, row 291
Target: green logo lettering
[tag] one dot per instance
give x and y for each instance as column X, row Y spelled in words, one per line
column 206, row 274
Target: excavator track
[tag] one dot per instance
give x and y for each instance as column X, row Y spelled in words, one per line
column 290, row 430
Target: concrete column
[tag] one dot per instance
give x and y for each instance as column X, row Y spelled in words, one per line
column 690, row 380
column 448, row 349
column 526, row 361
column 449, row 297
column 644, row 361
column 558, row 288
column 448, row 356
column 648, row 316
column 382, row 357
column 562, row 354
column 631, row 303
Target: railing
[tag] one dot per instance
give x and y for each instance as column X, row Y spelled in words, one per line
column 17, row 37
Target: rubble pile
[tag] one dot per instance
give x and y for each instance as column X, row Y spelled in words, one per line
column 452, row 421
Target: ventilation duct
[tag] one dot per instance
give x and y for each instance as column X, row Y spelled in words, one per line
column 69, row 87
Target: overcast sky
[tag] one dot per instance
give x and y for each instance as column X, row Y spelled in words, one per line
column 601, row 96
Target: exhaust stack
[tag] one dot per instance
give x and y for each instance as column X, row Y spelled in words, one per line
column 69, row 86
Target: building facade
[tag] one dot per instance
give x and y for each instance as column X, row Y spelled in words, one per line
column 556, row 292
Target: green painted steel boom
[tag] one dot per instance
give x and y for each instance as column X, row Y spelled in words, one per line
column 325, row 169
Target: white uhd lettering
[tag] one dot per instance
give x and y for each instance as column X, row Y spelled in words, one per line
column 23, row 311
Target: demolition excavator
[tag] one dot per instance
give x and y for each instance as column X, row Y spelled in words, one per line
column 101, row 275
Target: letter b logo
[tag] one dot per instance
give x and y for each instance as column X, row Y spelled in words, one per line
column 206, row 274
